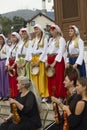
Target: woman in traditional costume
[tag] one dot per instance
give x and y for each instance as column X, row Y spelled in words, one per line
column 36, row 59
column 75, row 51
column 55, row 61
column 4, row 80
column 12, row 67
column 22, row 68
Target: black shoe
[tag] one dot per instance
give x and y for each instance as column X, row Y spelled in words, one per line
column 5, row 99
column 49, row 100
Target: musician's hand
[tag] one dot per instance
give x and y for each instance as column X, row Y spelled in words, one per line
column 7, row 118
column 75, row 66
column 11, row 100
column 13, row 66
column 53, row 64
column 37, row 64
column 67, row 65
column 6, row 68
column 23, row 65
column 32, row 64
column 18, row 66
column 54, row 99
column 9, row 68
column 66, row 108
column 46, row 64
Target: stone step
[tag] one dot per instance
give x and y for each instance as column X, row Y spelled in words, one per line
column 47, row 113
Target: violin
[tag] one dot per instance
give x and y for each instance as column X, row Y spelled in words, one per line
column 16, row 118
column 57, row 115
column 66, row 125
column 56, row 109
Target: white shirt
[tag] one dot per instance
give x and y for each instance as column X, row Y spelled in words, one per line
column 4, row 51
column 12, row 52
column 33, row 49
column 79, row 51
column 59, row 50
column 22, row 50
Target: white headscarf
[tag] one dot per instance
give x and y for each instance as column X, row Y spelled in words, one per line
column 76, row 30
column 1, row 35
column 24, row 29
column 39, row 26
column 17, row 35
column 58, row 29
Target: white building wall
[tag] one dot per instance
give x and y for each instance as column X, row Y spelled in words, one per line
column 43, row 21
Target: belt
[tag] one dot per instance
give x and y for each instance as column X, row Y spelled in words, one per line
column 36, row 54
column 73, row 55
column 51, row 54
column 12, row 58
column 2, row 59
column 21, row 55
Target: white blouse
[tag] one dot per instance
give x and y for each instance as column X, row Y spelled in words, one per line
column 77, row 50
column 4, row 52
column 33, row 49
column 12, row 52
column 22, row 50
column 53, row 49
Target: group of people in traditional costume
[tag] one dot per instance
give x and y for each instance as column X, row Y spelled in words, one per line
column 41, row 64
column 24, row 53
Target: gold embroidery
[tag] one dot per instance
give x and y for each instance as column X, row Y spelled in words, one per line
column 76, row 43
column 26, row 44
column 57, row 44
column 3, row 51
column 41, row 43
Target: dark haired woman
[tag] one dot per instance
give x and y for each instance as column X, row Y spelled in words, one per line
column 77, row 119
column 71, row 76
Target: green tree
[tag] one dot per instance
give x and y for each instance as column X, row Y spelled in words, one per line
column 6, row 25
column 17, row 23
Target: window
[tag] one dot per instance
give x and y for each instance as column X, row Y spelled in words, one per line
column 32, row 23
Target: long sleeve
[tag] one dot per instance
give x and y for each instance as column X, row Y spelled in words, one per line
column 81, row 52
column 29, row 52
column 77, row 50
column 61, row 50
column 43, row 55
column 29, row 103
